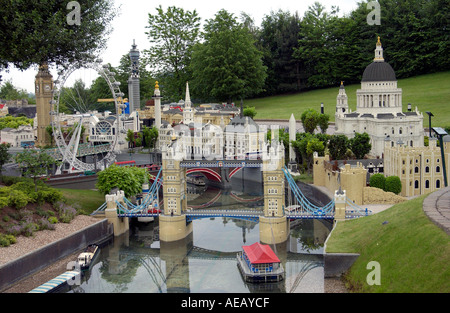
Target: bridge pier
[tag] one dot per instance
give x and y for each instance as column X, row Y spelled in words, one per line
column 173, row 228
column 120, row 224
column 273, row 230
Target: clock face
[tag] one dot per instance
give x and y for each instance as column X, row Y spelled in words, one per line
column 37, row 88
column 47, row 88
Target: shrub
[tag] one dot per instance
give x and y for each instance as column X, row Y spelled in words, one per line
column 66, row 213
column 377, row 181
column 48, row 195
column 18, row 199
column 46, row 224
column 7, row 240
column 52, row 220
column 4, row 201
column 393, row 184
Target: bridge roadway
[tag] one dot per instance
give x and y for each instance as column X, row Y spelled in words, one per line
column 250, row 214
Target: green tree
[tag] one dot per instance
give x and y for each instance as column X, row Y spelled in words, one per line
column 130, row 138
column 35, row 163
column 227, row 66
column 277, row 39
column 338, row 146
column 314, row 49
column 377, row 180
column 310, row 120
column 150, row 136
column 4, row 155
column 360, row 145
column 128, row 179
column 323, row 122
column 172, row 34
column 250, row 112
column 393, row 184
column 9, row 92
column 37, row 32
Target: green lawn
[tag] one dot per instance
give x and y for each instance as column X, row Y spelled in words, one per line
column 87, row 200
column 414, row 254
column 428, row 92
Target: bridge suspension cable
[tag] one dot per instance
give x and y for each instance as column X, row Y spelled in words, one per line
column 305, row 206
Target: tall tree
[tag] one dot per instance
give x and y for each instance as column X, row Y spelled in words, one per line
column 278, row 37
column 34, row 32
column 227, row 66
column 34, row 163
column 172, row 34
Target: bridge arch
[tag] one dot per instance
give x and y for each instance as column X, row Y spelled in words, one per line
column 209, row 173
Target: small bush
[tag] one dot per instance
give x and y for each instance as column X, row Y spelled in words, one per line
column 377, row 181
column 18, row 199
column 7, row 240
column 393, row 184
column 4, row 201
column 45, row 224
column 52, row 220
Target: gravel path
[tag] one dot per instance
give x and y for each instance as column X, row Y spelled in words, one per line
column 25, row 245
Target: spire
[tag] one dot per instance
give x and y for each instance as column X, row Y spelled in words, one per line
column 187, row 101
column 379, row 52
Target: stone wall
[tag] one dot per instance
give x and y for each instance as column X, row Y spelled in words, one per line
column 372, row 195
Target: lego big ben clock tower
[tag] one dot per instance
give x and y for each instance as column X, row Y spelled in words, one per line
column 44, row 88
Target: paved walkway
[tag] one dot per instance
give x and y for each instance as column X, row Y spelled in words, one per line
column 437, row 207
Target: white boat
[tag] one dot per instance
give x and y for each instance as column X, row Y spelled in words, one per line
column 85, row 258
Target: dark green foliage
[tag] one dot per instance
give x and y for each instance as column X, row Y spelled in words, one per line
column 393, row 184
column 172, row 34
column 377, row 181
column 34, row 32
column 360, row 145
column 338, row 146
column 227, row 66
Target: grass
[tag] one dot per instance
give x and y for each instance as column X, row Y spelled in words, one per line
column 413, row 252
column 87, row 200
column 429, row 92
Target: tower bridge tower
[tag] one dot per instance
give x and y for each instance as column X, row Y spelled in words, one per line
column 172, row 223
column 273, row 226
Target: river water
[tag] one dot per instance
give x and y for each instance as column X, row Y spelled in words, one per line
column 205, row 262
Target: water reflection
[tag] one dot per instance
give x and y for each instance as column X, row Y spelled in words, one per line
column 205, row 261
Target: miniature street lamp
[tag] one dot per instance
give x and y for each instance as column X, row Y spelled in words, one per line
column 440, row 134
column 429, row 120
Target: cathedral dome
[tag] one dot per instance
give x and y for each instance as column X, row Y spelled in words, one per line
column 378, row 72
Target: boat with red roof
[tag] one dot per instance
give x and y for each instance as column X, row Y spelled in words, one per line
column 259, row 264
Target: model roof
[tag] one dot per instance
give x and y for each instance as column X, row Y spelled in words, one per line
column 258, row 253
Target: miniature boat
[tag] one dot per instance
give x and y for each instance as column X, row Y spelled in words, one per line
column 259, row 264
column 196, row 180
column 85, row 259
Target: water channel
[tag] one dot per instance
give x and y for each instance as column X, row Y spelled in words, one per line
column 205, row 262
